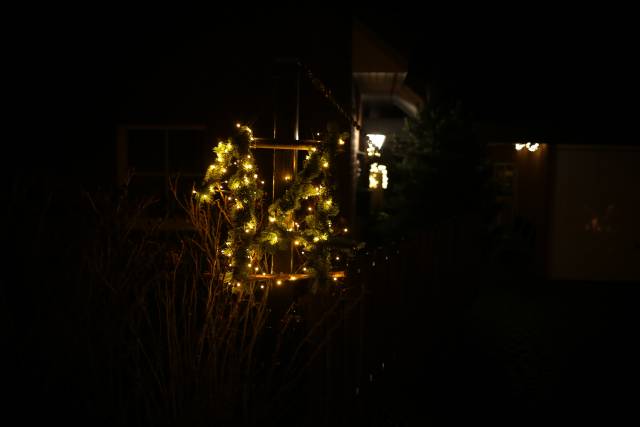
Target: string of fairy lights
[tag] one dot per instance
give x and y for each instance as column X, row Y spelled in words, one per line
column 302, row 218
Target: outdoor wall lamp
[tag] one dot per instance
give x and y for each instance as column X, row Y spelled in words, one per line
column 529, row 146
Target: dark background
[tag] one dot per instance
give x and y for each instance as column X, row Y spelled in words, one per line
column 71, row 75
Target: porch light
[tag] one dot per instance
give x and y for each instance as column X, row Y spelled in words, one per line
column 376, row 139
column 531, row 146
column 374, row 144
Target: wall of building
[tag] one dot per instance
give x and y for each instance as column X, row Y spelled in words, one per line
column 533, row 187
column 595, row 233
column 523, row 185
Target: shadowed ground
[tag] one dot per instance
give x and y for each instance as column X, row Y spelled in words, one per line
column 519, row 354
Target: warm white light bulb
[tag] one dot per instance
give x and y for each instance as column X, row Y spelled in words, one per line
column 376, row 139
column 378, row 176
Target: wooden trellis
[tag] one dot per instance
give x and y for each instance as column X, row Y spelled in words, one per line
column 285, row 164
column 285, row 148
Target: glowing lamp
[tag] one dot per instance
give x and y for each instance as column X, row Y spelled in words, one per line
column 376, row 139
column 530, row 146
column 378, row 176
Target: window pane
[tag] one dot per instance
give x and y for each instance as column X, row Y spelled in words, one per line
column 146, row 150
column 186, row 151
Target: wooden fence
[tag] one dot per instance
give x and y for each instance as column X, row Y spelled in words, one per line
column 406, row 288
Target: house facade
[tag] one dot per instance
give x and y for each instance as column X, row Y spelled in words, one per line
column 350, row 78
column 574, row 206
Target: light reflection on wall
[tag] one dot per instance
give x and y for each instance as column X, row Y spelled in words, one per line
column 598, row 223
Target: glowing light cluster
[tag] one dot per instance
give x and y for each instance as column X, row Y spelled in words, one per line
column 300, row 218
column 233, row 186
column 528, row 145
column 376, row 139
column 374, row 144
column 378, row 177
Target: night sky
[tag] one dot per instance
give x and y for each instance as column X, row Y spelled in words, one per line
column 568, row 73
column 565, row 75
